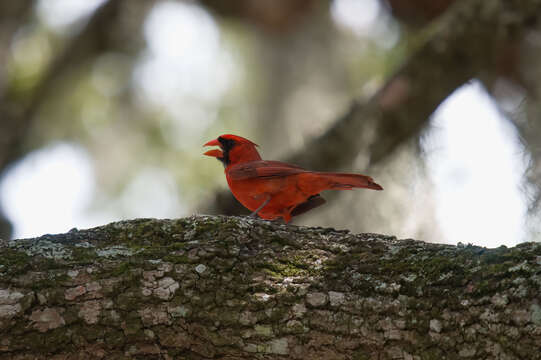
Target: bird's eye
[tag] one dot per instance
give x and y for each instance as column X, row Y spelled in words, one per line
column 226, row 143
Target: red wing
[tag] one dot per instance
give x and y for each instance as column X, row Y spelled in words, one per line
column 263, row 169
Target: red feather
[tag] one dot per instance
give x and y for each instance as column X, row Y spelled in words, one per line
column 275, row 189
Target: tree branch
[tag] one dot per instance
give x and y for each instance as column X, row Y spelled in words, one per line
column 219, row 287
column 465, row 43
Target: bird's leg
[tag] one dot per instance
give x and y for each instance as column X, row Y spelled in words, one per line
column 254, row 214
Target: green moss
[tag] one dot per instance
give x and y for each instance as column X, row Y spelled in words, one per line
column 177, row 259
column 505, row 255
column 42, row 284
column 83, row 256
column 133, row 324
column 434, row 265
column 130, row 299
column 338, row 263
column 272, row 273
column 143, row 232
column 299, row 261
column 261, row 288
column 51, row 281
column 282, row 269
column 209, row 227
column 151, row 252
column 176, row 246
column 48, row 264
column 120, row 270
column 283, row 241
column 131, row 279
column 14, row 261
column 278, row 313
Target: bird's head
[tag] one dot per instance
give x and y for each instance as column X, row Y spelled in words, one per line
column 233, row 150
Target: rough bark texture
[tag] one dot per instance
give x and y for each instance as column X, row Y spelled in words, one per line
column 236, row 288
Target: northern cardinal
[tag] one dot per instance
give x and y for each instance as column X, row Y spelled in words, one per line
column 273, row 189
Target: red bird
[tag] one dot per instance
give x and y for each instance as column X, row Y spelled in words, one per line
column 273, row 189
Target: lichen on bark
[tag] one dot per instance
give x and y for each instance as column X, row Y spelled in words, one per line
column 229, row 287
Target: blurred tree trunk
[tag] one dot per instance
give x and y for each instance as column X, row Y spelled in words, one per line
column 288, row 63
column 236, row 288
column 521, row 102
column 113, row 27
column 11, row 15
column 418, row 12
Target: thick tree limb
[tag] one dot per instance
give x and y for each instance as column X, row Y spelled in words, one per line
column 237, row 288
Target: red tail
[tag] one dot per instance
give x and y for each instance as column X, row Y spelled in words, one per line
column 342, row 181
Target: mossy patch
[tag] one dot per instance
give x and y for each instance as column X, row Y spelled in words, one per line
column 281, row 270
column 177, row 259
column 14, row 261
column 120, row 270
column 83, row 256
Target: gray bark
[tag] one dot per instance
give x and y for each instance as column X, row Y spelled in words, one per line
column 210, row 287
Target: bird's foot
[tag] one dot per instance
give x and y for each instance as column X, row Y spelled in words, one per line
column 254, row 214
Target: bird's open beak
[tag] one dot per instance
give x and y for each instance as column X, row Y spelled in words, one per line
column 214, row 152
column 214, row 142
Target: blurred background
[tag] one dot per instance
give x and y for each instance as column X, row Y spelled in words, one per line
column 105, row 105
